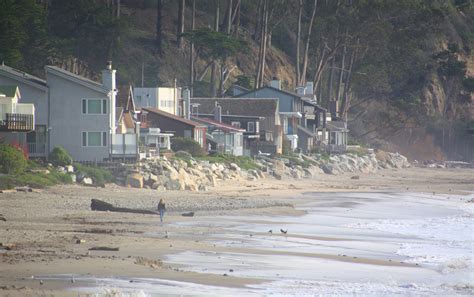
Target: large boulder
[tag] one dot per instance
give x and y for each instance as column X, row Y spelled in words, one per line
column 134, row 180
column 87, row 181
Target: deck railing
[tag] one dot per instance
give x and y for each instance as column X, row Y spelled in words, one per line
column 16, row 122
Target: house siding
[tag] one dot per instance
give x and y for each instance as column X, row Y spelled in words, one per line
column 32, row 95
column 68, row 122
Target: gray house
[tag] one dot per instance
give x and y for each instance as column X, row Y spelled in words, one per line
column 73, row 112
column 82, row 113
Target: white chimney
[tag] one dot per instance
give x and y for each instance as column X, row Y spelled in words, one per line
column 217, row 112
column 187, row 104
column 275, row 83
column 309, row 88
column 108, row 81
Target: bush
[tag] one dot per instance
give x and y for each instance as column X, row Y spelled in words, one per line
column 12, row 160
column 99, row 175
column 34, row 180
column 245, row 163
column 60, row 157
column 187, row 145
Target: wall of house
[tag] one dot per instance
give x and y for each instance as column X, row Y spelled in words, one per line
column 178, row 128
column 68, row 122
column 168, row 100
column 32, row 95
column 165, row 99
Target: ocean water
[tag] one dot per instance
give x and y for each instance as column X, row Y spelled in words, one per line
column 324, row 251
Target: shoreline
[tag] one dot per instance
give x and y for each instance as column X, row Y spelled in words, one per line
column 45, row 225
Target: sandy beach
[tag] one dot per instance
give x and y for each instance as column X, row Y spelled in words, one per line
column 225, row 248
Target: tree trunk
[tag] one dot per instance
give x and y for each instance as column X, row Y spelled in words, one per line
column 191, row 51
column 159, row 28
column 99, row 205
column 214, row 65
column 118, row 9
column 298, row 39
column 263, row 47
column 180, row 31
column 236, row 17
column 228, row 17
column 302, row 80
column 258, row 21
column 346, row 96
column 331, row 79
column 341, row 73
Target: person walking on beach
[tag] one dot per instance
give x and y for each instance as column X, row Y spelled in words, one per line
column 161, row 209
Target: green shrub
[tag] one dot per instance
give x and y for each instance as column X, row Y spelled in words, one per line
column 99, row 175
column 245, row 163
column 188, row 145
column 12, row 160
column 60, row 157
column 34, row 180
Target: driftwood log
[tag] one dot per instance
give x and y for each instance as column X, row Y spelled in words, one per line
column 99, row 205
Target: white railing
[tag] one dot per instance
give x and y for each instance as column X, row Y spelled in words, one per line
column 124, row 144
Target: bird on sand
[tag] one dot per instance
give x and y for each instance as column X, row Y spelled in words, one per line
column 283, row 231
column 270, row 231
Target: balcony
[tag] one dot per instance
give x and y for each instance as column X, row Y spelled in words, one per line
column 17, row 122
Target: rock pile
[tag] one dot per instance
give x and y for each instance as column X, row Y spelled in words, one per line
column 191, row 175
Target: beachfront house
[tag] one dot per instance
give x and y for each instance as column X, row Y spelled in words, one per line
column 75, row 113
column 222, row 138
column 258, row 117
column 172, row 124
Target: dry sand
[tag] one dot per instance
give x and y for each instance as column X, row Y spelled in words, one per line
column 46, row 226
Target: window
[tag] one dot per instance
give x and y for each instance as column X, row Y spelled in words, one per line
column 235, row 124
column 94, row 106
column 250, row 127
column 285, row 125
column 238, row 140
column 94, row 138
column 139, row 98
column 333, row 138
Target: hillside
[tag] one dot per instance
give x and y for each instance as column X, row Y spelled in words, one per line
column 404, row 71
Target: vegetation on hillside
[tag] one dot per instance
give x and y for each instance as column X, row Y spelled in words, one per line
column 410, row 56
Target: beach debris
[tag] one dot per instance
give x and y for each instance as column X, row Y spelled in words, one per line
column 284, row 231
column 355, row 177
column 104, row 248
column 225, row 274
column 188, row 214
column 99, row 205
column 24, row 189
column 2, row 218
column 270, row 231
column 80, row 241
column 41, row 282
column 8, row 246
column 152, row 263
column 231, row 270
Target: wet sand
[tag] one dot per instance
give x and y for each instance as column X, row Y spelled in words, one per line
column 46, row 225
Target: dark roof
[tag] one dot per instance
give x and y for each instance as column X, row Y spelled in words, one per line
column 257, row 107
column 173, row 117
column 217, row 125
column 337, row 126
column 8, row 91
column 24, row 76
column 315, row 104
column 272, row 88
